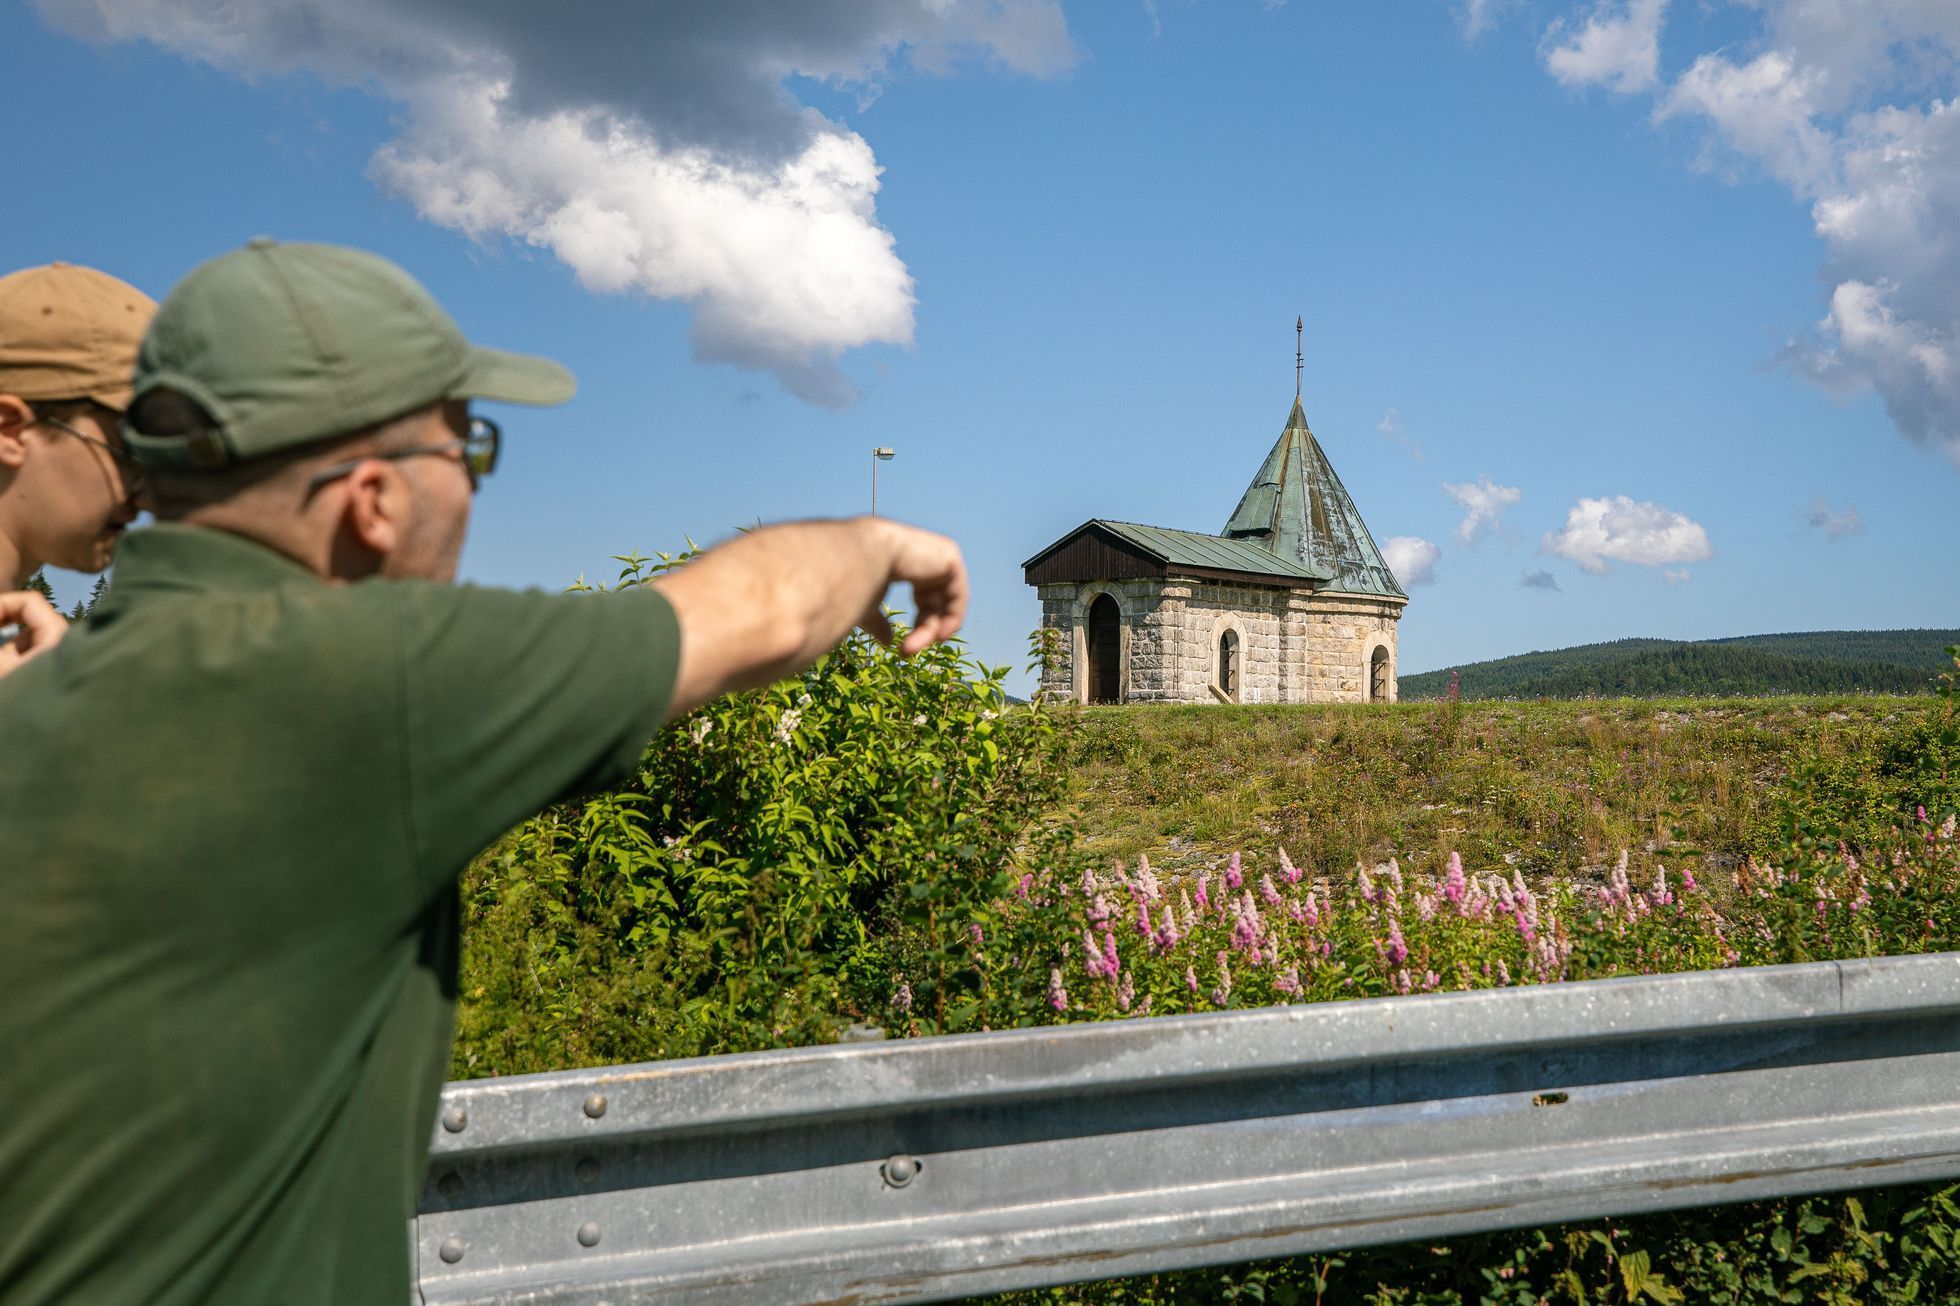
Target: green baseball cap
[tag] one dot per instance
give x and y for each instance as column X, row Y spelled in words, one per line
column 288, row 344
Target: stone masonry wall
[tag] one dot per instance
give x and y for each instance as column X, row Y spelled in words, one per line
column 1296, row 646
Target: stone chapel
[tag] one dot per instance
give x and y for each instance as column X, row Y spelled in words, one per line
column 1290, row 603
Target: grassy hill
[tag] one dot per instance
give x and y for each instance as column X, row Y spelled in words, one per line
column 1544, row 787
column 1808, row 662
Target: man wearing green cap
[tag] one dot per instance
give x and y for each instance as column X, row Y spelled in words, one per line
column 236, row 801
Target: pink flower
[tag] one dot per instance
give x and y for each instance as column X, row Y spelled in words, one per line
column 1143, row 916
column 1190, row 979
column 1021, row 890
column 1057, row 995
column 1287, row 870
column 1454, row 884
column 1112, row 964
column 1267, row 891
column 1396, row 950
column 1204, row 899
column 975, row 933
column 1289, row 982
column 1235, row 875
column 1223, row 993
column 1688, row 884
column 1125, row 993
column 1364, row 884
column 1659, row 895
column 1091, row 955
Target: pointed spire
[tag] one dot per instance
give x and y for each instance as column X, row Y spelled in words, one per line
column 1297, row 508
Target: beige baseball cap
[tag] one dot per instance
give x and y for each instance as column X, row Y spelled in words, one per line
column 70, row 332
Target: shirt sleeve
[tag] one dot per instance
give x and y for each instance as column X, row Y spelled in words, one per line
column 513, row 700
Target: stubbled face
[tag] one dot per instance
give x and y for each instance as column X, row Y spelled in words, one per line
column 74, row 500
column 431, row 543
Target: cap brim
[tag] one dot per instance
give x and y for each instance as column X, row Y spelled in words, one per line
column 116, row 400
column 513, row 379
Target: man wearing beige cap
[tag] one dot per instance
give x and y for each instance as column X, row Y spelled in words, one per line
column 68, row 338
column 236, row 802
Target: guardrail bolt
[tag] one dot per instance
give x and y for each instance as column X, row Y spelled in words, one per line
column 588, row 1234
column 454, row 1119
column 900, row 1170
column 595, row 1106
column 587, row 1169
column 451, row 1250
column 450, row 1185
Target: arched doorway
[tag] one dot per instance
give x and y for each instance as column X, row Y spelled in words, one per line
column 1105, row 651
column 1228, row 663
column 1378, row 675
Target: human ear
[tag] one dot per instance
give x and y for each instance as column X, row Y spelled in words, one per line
column 15, row 417
column 377, row 506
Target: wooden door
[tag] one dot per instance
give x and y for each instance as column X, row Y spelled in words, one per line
column 1105, row 651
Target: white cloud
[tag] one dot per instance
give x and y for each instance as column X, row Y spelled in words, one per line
column 1625, row 531
column 651, row 148
column 1840, row 102
column 1762, row 109
column 1390, row 428
column 1483, row 505
column 1618, row 47
column 1475, row 17
column 1835, row 525
column 1412, row 559
column 1675, row 577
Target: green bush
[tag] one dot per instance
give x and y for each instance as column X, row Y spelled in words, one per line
column 785, row 862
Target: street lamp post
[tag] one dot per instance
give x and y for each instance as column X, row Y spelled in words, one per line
column 879, row 455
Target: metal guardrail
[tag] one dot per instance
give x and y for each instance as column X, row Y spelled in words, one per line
column 934, row 1168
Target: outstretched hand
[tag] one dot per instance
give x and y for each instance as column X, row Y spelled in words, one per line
column 38, row 627
column 934, row 567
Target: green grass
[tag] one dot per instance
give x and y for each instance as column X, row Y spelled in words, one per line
column 1548, row 787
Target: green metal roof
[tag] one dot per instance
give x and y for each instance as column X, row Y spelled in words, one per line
column 1297, row 508
column 1195, row 549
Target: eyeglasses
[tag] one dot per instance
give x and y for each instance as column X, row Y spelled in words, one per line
column 479, row 449
column 132, row 470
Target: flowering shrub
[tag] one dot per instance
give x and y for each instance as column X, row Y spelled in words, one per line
column 1130, row 942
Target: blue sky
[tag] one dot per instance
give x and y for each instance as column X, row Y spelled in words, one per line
column 1579, row 255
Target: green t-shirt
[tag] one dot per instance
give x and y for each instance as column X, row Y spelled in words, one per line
column 233, row 807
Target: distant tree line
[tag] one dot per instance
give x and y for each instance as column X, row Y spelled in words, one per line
column 1817, row 662
column 38, row 582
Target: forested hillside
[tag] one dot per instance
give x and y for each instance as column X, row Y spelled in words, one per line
column 1810, row 662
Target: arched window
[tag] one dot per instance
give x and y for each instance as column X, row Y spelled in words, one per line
column 1228, row 663
column 1105, row 651
column 1378, row 675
